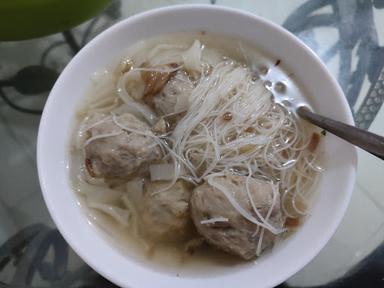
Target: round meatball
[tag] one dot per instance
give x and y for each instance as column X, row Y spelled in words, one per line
column 232, row 232
column 175, row 95
column 114, row 151
column 165, row 215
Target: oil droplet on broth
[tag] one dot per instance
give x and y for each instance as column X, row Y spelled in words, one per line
column 263, row 70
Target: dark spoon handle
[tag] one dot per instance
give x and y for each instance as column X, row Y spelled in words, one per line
column 368, row 141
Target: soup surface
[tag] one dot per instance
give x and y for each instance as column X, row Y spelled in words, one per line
column 186, row 152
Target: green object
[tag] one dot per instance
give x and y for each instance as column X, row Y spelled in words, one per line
column 25, row 19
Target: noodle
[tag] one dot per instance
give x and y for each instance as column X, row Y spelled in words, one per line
column 228, row 124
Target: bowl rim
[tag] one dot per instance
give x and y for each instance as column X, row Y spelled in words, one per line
column 175, row 9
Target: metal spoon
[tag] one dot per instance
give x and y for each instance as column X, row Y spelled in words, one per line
column 367, row 141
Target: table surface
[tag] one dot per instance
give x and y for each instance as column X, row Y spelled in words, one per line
column 346, row 34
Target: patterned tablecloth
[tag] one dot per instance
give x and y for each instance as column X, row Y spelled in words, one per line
column 346, row 34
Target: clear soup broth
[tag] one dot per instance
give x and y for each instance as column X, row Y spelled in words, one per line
column 186, row 153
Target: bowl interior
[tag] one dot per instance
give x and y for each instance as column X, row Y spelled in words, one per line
column 321, row 90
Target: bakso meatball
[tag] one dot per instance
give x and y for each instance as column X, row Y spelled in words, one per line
column 228, row 229
column 174, row 96
column 115, row 152
column 165, row 214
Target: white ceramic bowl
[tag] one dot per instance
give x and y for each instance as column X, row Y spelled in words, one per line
column 322, row 90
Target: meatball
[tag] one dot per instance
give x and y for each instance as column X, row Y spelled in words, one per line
column 174, row 96
column 234, row 233
column 166, row 215
column 115, row 152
